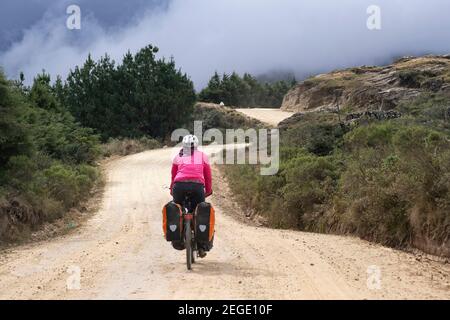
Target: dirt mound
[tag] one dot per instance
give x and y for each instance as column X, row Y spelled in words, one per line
column 221, row 117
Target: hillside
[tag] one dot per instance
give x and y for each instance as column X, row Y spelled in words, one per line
column 371, row 88
column 376, row 167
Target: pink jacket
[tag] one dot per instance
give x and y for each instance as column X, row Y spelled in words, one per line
column 192, row 167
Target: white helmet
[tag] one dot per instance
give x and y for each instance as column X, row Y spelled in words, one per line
column 190, row 141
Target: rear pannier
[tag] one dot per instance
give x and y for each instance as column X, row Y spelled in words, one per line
column 204, row 222
column 172, row 222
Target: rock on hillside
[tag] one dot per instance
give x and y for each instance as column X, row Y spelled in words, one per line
column 371, row 88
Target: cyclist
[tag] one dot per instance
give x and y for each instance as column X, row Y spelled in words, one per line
column 191, row 173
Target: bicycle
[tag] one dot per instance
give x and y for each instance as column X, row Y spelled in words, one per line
column 189, row 231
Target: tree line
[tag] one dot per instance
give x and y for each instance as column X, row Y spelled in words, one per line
column 141, row 96
column 245, row 91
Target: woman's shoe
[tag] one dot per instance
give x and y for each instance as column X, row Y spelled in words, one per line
column 201, row 253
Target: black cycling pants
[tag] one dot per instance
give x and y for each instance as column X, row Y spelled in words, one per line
column 195, row 191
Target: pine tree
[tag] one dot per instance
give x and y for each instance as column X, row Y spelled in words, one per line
column 14, row 136
column 244, row 92
column 141, row 96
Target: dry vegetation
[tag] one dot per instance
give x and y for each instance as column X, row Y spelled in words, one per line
column 384, row 180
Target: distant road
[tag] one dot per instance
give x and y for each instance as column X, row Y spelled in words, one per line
column 270, row 116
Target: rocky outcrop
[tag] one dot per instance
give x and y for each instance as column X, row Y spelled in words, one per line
column 371, row 88
column 366, row 116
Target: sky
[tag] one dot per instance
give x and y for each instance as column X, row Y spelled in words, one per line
column 304, row 37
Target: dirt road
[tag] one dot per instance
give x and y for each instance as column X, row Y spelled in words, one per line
column 120, row 253
column 270, row 116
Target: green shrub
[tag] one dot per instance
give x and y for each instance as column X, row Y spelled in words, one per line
column 310, row 182
column 124, row 147
column 394, row 188
column 410, row 78
column 303, row 184
column 63, row 139
column 45, row 158
column 318, row 138
column 61, row 183
column 19, row 172
column 387, row 182
column 373, row 136
column 429, row 109
column 243, row 180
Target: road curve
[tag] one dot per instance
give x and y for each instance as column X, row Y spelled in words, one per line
column 121, row 254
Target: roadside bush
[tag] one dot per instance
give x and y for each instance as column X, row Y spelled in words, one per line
column 396, row 184
column 57, row 135
column 19, row 172
column 301, row 188
column 54, row 129
column 69, row 185
column 387, row 182
column 318, row 138
column 310, row 183
column 46, row 158
column 243, row 181
column 124, row 147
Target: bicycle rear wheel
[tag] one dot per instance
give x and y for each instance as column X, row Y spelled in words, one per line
column 188, row 243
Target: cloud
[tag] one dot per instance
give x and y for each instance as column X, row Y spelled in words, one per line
column 306, row 36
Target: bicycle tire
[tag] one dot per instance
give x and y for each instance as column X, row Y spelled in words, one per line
column 188, row 243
